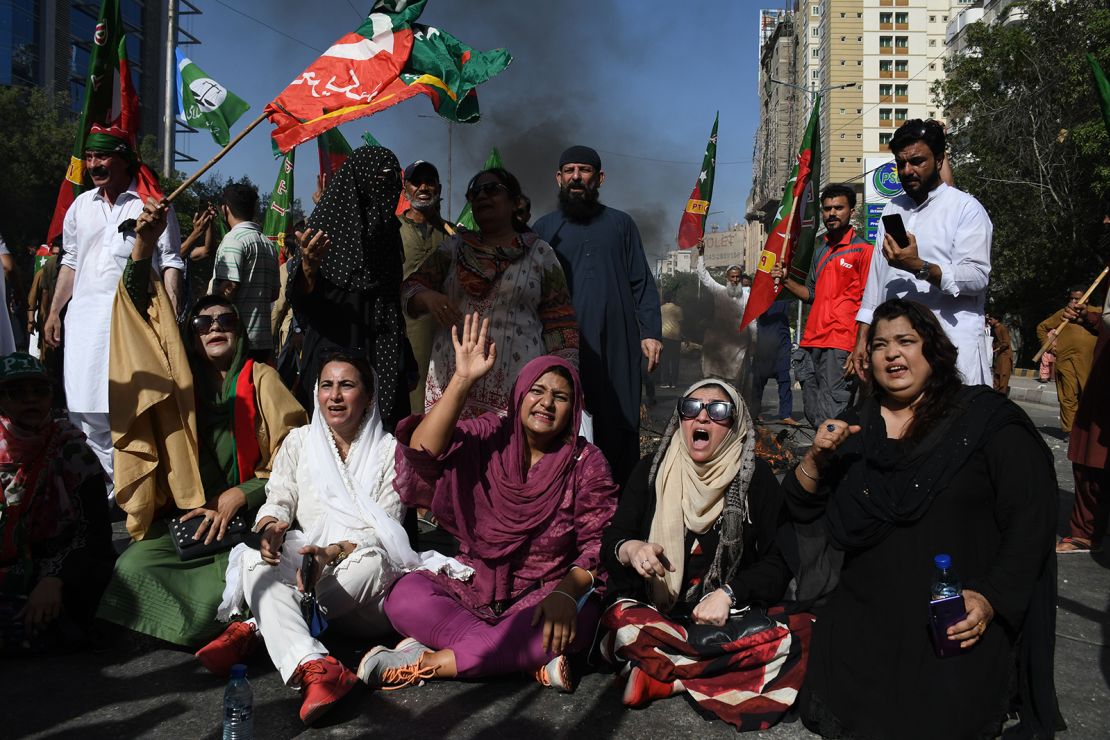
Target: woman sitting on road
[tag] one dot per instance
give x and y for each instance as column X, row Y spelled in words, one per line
column 196, row 442
column 693, row 551
column 55, row 540
column 527, row 498
column 330, row 495
column 502, row 271
column 930, row 466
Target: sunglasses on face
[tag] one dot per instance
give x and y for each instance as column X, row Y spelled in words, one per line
column 487, row 188
column 690, row 408
column 225, row 322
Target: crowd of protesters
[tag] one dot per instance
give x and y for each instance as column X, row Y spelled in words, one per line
column 269, row 420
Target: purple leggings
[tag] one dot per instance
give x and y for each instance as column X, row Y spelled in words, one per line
column 418, row 607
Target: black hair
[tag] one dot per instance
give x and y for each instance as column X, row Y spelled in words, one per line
column 209, row 300
column 358, row 361
column 944, row 380
column 511, row 184
column 242, row 200
column 839, row 190
column 668, row 295
column 563, row 373
column 1076, row 289
column 914, row 130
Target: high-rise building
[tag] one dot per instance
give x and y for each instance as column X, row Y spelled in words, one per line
column 840, row 75
column 47, row 44
column 776, row 138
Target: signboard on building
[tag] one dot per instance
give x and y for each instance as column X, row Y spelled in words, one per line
column 880, row 185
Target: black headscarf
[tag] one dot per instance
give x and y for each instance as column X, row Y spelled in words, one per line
column 357, row 214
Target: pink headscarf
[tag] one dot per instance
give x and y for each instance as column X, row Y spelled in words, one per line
column 499, row 503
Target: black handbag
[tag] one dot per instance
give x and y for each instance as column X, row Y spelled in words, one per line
column 748, row 622
column 190, row 549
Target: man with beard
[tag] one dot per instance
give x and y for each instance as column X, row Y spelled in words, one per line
column 725, row 352
column 835, row 284
column 947, row 262
column 615, row 299
column 95, row 253
column 422, row 231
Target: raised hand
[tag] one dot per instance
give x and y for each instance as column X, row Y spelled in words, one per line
column 474, row 352
column 314, row 244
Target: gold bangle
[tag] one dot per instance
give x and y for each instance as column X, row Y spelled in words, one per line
column 340, row 557
column 802, row 468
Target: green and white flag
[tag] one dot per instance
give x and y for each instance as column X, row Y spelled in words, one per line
column 204, row 103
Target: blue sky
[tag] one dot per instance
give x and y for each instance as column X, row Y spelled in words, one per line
column 639, row 81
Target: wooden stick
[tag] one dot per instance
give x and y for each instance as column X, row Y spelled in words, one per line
column 219, row 155
column 1083, row 302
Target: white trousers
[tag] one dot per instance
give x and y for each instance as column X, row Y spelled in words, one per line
column 98, row 433
column 351, row 593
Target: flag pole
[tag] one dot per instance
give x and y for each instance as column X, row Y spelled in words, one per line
column 219, row 155
column 1082, row 301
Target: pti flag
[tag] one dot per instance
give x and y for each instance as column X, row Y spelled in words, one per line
column 204, row 103
column 334, row 151
column 281, row 198
column 784, row 238
column 388, row 59
column 466, row 218
column 692, row 226
column 100, row 92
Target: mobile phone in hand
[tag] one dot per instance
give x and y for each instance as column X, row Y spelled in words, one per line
column 308, row 572
column 897, row 229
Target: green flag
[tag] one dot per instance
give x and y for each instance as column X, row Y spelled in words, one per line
column 281, row 198
column 334, row 150
column 692, row 226
column 810, row 210
column 466, row 219
column 1103, row 89
column 101, row 86
column 370, row 140
column 204, row 103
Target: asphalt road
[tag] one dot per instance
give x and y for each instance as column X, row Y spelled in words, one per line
column 136, row 687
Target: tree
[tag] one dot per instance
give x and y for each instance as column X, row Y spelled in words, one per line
column 34, row 154
column 1028, row 141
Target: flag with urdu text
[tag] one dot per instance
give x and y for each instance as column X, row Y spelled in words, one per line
column 100, row 92
column 334, row 150
column 692, row 226
column 783, row 240
column 204, row 103
column 1103, row 89
column 387, row 59
column 276, row 223
column 466, row 218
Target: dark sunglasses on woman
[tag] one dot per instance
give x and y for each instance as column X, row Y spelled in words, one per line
column 689, row 408
column 224, row 322
column 487, row 188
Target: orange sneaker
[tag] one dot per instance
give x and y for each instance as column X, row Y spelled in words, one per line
column 556, row 674
column 396, row 668
column 324, row 681
column 238, row 641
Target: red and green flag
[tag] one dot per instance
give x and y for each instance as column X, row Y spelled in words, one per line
column 466, row 218
column 276, row 223
column 334, row 151
column 784, row 242
column 100, row 92
column 691, row 228
column 387, row 59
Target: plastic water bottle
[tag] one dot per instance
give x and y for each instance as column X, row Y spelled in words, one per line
column 946, row 584
column 238, row 705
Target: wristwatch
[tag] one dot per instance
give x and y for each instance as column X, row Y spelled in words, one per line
column 923, row 271
column 731, row 596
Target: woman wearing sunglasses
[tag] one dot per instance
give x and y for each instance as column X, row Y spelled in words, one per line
column 693, row 556
column 503, row 272
column 55, row 540
column 196, row 427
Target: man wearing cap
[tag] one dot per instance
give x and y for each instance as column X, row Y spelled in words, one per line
column 95, row 252
column 422, row 231
column 615, row 298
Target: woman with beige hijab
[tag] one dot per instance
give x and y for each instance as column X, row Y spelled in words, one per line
column 692, row 556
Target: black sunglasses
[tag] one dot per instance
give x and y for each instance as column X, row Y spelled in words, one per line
column 224, row 322
column 486, row 188
column 690, row 408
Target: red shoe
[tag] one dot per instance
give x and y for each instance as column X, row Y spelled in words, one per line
column 642, row 689
column 324, row 681
column 238, row 641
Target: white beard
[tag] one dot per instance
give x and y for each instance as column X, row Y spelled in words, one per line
column 735, row 291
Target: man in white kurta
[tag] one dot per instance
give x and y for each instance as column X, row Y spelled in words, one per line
column 948, row 262
column 94, row 255
column 725, row 352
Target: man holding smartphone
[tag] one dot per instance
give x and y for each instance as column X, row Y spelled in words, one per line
column 941, row 255
column 841, row 264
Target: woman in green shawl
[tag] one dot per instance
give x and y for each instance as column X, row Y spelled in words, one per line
column 195, row 426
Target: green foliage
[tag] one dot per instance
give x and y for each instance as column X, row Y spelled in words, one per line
column 1027, row 139
column 34, row 154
